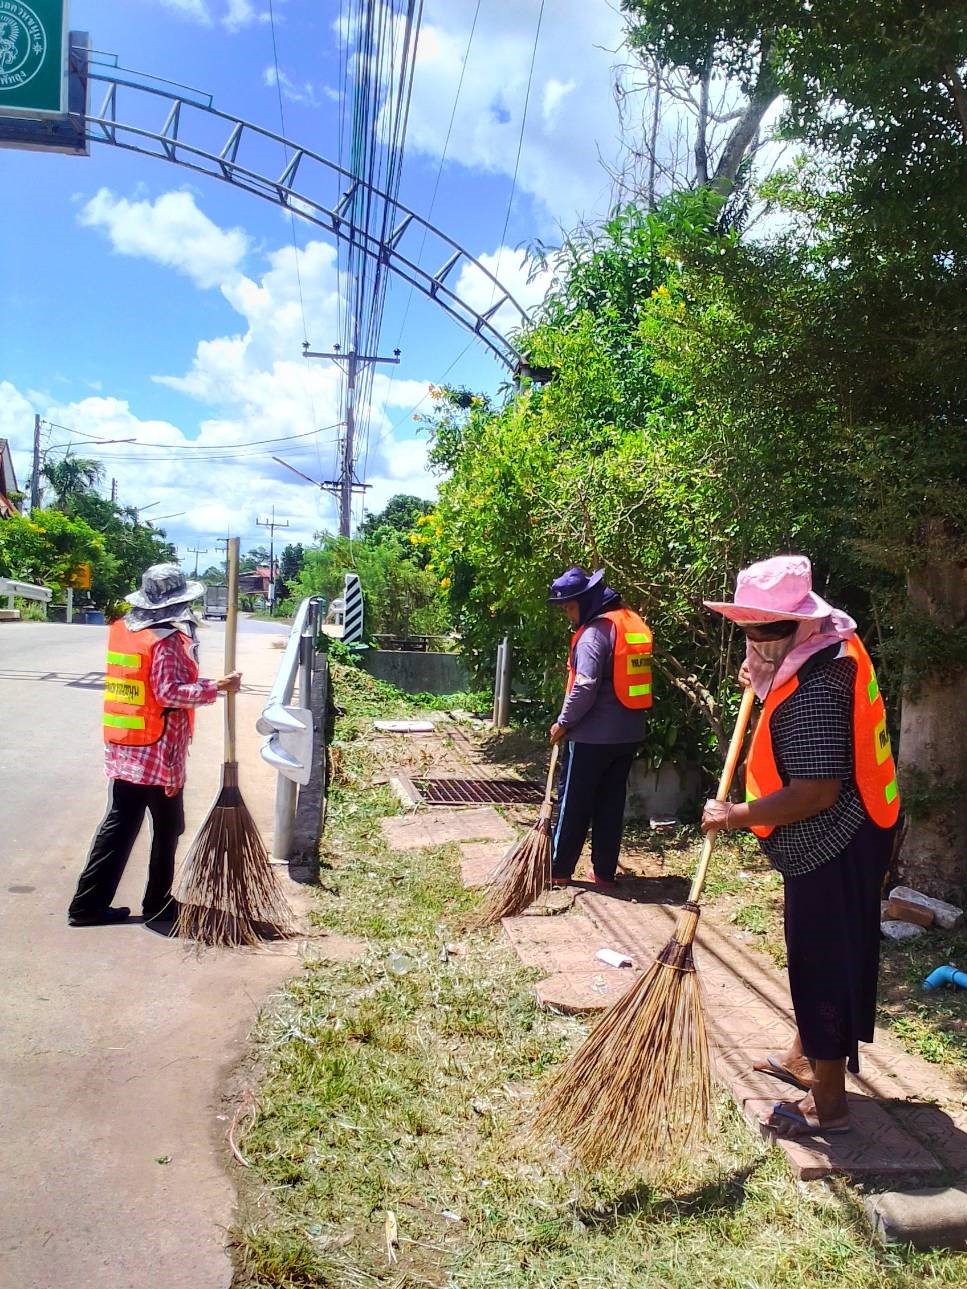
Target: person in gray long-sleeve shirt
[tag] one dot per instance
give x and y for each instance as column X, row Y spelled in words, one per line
column 600, row 731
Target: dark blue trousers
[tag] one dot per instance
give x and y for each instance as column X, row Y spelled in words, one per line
column 591, row 795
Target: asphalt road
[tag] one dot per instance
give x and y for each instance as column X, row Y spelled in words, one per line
column 116, row 1040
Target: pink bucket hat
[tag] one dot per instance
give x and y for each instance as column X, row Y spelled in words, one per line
column 774, row 590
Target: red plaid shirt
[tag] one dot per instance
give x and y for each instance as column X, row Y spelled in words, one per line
column 164, row 763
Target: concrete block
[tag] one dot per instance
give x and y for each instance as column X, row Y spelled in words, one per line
column 578, row 993
column 932, row 1218
column 946, row 915
column 440, row 828
column 900, row 930
column 9, row 615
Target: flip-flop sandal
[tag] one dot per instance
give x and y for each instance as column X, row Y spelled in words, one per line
column 807, row 1125
column 774, row 1067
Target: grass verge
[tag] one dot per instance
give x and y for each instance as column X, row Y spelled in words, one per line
column 403, row 1083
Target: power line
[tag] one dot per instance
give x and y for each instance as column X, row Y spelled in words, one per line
column 520, row 144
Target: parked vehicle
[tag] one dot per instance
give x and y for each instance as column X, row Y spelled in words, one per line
column 215, row 604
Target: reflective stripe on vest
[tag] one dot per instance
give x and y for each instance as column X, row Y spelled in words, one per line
column 133, row 716
column 631, row 663
column 873, row 769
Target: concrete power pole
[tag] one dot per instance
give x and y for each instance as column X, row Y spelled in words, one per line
column 272, row 524
column 347, row 484
column 35, row 473
column 196, row 551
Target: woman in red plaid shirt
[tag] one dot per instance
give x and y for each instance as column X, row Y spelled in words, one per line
column 151, row 690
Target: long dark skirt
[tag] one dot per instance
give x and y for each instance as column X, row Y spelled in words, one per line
column 832, row 922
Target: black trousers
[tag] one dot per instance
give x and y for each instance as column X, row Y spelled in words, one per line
column 832, row 922
column 114, row 839
column 594, row 780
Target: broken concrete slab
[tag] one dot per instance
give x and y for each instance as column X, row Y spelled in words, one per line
column 901, row 930
column 578, row 993
column 930, row 1218
column 416, row 832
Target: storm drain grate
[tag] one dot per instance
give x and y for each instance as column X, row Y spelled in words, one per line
column 475, row 792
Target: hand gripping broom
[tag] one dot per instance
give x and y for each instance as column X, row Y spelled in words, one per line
column 229, row 894
column 525, row 871
column 640, row 1086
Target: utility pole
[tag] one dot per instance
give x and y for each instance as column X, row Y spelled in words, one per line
column 272, row 524
column 35, row 475
column 347, row 484
column 196, row 551
column 114, row 491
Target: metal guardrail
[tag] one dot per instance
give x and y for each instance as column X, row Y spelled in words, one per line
column 290, row 728
column 23, row 591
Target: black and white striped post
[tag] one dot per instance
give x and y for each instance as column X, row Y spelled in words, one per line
column 353, row 610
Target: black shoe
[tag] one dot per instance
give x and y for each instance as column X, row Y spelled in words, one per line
column 103, row 918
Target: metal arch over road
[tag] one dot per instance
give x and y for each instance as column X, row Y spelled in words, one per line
column 158, row 121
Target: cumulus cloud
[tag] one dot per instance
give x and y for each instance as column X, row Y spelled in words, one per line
column 305, row 93
column 195, row 10
column 527, row 284
column 571, row 118
column 241, row 13
column 249, row 386
column 171, row 231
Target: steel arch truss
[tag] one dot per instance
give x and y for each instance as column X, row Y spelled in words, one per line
column 157, row 121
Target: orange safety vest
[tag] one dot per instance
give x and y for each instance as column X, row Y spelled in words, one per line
column 873, row 768
column 133, row 716
column 632, row 658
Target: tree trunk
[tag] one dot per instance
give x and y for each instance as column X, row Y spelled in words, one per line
column 933, row 747
column 747, row 128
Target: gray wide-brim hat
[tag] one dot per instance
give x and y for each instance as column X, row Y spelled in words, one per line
column 163, row 585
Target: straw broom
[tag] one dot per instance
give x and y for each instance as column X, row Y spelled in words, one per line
column 229, row 894
column 640, row 1085
column 525, row 871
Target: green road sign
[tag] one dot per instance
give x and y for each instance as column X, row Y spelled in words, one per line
column 33, row 57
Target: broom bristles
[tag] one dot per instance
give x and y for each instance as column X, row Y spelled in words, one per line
column 639, row 1087
column 229, row 893
column 524, row 874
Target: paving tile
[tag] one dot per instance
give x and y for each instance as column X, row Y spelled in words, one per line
column 580, row 992
column 943, row 1134
column 556, row 943
column 876, row 1146
column 479, row 862
column 413, row 832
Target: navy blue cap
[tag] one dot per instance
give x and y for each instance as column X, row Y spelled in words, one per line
column 573, row 584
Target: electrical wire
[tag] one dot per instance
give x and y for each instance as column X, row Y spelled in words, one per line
column 520, row 146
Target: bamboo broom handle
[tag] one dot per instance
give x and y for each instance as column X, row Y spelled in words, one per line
column 725, row 783
column 546, row 807
column 231, row 630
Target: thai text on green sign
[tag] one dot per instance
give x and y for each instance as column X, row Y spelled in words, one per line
column 33, row 57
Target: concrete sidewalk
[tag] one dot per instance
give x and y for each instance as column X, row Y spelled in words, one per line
column 909, row 1120
column 117, row 1040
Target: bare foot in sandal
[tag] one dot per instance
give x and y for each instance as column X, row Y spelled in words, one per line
column 792, row 1068
column 791, row 1119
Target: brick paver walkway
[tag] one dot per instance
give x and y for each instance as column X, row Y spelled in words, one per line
column 909, row 1119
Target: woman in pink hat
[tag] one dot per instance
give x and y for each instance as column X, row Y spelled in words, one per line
column 821, row 796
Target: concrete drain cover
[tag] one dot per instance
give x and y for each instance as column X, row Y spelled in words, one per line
column 466, row 792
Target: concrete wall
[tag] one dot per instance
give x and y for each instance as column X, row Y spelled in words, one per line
column 418, row 673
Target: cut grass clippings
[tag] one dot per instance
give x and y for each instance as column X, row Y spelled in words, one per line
column 403, row 1084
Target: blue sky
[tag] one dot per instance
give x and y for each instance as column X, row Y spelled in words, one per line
column 144, row 302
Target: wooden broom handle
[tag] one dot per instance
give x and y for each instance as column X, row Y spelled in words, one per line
column 546, row 807
column 231, row 631
column 725, row 783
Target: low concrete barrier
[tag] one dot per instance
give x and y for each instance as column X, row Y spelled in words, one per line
column 418, row 672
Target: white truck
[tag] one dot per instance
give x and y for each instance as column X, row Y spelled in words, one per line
column 215, row 604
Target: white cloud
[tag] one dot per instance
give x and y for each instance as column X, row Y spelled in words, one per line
column 515, row 273
column 249, row 386
column 305, row 93
column 171, row 231
column 196, row 10
column 571, row 118
column 241, row 13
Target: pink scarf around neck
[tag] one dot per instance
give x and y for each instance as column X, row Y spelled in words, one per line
column 810, row 638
